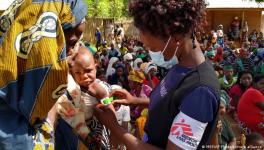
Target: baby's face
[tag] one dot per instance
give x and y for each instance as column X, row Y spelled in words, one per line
column 84, row 71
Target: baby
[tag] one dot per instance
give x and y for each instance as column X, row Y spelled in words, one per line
column 83, row 92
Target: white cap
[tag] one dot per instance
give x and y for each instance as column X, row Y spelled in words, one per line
column 128, row 56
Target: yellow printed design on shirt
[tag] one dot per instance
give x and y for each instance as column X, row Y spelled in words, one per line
column 44, row 137
column 33, row 70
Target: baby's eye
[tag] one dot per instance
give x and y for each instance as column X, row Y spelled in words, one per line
column 88, row 70
column 77, row 73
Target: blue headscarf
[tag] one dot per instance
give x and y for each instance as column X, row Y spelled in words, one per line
column 79, row 10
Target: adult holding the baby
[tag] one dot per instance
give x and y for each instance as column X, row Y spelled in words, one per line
column 76, row 106
column 76, row 126
column 33, row 72
column 183, row 107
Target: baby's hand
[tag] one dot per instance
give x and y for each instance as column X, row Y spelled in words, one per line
column 65, row 107
column 74, row 116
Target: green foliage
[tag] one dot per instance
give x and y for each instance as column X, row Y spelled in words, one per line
column 258, row 1
column 103, row 8
column 92, row 11
column 107, row 8
column 112, row 8
column 125, row 8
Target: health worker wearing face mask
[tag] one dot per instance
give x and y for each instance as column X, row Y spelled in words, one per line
column 183, row 107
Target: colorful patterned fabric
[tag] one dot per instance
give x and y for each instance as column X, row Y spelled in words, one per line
column 225, row 85
column 44, row 137
column 247, row 108
column 135, row 111
column 140, row 123
column 136, row 76
column 33, row 71
column 76, row 108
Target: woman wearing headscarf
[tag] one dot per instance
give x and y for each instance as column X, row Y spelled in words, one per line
column 33, row 69
column 119, row 77
column 244, row 82
column 251, row 106
column 128, row 62
column 219, row 55
column 110, row 69
column 224, row 135
column 137, row 64
column 138, row 89
column 150, row 71
column 243, row 62
column 183, row 107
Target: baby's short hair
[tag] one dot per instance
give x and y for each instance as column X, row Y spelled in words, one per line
column 81, row 52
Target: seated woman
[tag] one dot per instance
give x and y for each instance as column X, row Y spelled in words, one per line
column 138, row 89
column 150, row 70
column 244, row 81
column 110, row 67
column 119, row 77
column 251, row 106
column 137, row 64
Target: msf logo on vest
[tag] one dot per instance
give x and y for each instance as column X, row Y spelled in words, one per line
column 183, row 132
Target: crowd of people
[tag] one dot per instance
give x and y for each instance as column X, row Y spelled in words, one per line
column 238, row 65
column 178, row 87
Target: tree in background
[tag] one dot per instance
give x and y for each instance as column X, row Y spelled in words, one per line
column 92, row 7
column 107, row 8
column 103, row 8
column 113, row 8
column 125, row 8
column 116, row 8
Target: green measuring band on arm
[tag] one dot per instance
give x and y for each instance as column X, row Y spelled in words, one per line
column 107, row 100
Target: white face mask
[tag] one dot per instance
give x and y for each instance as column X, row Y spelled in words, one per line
column 158, row 57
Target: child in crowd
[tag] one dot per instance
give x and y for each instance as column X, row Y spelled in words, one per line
column 223, row 136
column 226, row 136
column 228, row 80
column 85, row 91
column 122, row 113
column 101, row 75
column 119, row 77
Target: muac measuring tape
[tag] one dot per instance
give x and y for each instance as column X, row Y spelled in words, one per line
column 107, row 100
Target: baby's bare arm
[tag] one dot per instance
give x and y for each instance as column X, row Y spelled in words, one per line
column 98, row 91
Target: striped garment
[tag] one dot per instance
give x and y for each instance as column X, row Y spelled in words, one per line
column 243, row 64
column 79, row 116
column 33, row 68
